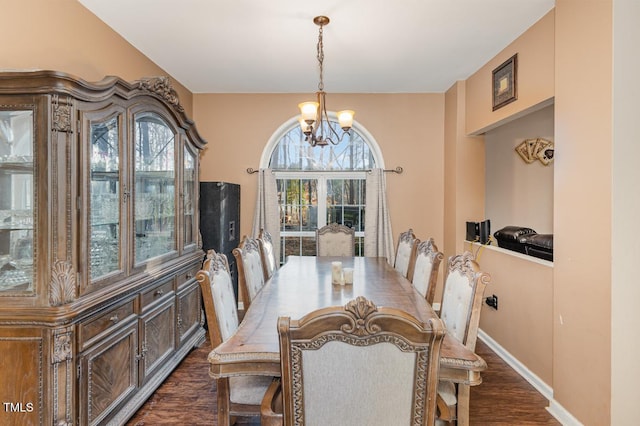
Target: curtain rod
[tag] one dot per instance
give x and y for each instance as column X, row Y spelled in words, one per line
column 397, row 170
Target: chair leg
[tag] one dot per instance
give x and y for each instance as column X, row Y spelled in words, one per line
column 223, row 401
column 463, row 405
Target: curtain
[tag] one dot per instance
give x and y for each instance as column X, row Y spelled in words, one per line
column 378, row 237
column 267, row 213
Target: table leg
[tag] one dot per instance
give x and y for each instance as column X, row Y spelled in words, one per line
column 463, row 405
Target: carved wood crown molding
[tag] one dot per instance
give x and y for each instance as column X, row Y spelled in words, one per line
column 161, row 86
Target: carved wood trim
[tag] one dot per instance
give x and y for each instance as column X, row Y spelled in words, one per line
column 161, row 86
column 61, row 114
column 466, row 265
column 407, row 237
column 62, row 288
column 62, row 360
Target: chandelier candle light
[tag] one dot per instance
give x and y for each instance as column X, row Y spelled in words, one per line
column 314, row 114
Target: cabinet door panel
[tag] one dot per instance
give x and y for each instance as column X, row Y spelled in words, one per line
column 158, row 336
column 189, row 199
column 104, row 197
column 189, row 310
column 21, row 376
column 109, row 374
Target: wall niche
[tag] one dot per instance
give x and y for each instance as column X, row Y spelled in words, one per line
column 516, row 192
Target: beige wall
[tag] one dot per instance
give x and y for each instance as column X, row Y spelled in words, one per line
column 464, row 174
column 525, row 293
column 407, row 127
column 583, row 172
column 62, row 35
column 581, row 280
column 535, row 49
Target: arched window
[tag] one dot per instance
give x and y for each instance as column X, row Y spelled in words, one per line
column 319, row 185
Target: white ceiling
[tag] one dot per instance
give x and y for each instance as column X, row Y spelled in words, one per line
column 371, row 46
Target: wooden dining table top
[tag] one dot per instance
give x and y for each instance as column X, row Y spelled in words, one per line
column 303, row 284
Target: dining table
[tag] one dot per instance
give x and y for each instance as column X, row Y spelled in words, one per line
column 304, row 284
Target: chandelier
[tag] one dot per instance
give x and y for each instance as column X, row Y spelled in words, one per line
column 314, row 120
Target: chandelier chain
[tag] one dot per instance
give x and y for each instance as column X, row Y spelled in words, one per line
column 321, row 59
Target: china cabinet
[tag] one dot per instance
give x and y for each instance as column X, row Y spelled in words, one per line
column 99, row 245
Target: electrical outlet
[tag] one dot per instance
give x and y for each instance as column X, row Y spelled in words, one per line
column 492, row 301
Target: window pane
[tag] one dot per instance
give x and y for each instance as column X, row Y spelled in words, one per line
column 294, row 245
column 294, row 153
column 298, row 204
column 345, row 202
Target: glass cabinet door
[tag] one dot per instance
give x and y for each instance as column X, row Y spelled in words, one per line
column 16, row 201
column 104, row 222
column 155, row 200
column 188, row 197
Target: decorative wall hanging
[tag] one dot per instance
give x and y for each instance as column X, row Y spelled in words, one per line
column 536, row 149
column 505, row 83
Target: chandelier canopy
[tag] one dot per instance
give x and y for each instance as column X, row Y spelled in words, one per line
column 314, row 120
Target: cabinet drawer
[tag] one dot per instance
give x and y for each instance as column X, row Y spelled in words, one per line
column 103, row 322
column 157, row 292
column 187, row 275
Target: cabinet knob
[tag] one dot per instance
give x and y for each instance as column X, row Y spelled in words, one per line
column 189, row 275
column 159, row 292
column 114, row 319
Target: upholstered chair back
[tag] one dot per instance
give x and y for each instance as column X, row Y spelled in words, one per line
column 462, row 298
column 240, row 395
column 269, row 261
column 359, row 364
column 219, row 300
column 460, row 310
column 335, row 240
column 250, row 270
column 405, row 252
column 424, row 275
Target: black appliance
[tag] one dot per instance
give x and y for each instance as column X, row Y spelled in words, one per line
column 479, row 231
column 220, row 221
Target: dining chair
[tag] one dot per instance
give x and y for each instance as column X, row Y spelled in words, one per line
column 335, row 239
column 424, row 274
column 267, row 253
column 356, row 364
column 460, row 310
column 250, row 270
column 237, row 396
column 405, row 252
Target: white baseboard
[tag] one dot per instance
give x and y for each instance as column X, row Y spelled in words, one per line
column 554, row 408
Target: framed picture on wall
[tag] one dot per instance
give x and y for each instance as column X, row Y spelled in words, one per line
column 505, row 83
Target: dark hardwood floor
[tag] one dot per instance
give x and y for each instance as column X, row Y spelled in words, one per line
column 188, row 397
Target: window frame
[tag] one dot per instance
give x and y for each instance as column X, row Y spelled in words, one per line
column 321, row 175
